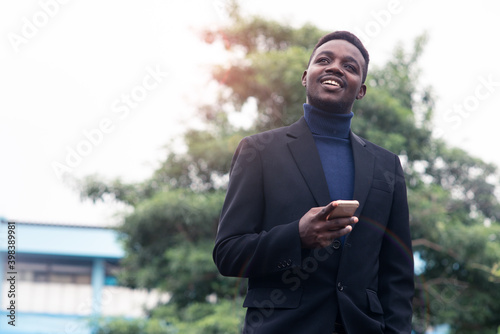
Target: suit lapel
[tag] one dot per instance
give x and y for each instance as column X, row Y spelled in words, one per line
column 304, row 152
column 364, row 162
column 306, row 156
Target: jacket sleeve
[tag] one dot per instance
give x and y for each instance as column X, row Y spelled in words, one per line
column 396, row 275
column 242, row 247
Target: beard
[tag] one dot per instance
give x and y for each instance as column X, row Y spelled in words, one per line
column 337, row 107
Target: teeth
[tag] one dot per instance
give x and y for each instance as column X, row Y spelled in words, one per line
column 331, row 82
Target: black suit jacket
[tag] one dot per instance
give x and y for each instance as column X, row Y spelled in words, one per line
column 275, row 178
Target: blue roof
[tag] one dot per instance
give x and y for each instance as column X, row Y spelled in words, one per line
column 64, row 240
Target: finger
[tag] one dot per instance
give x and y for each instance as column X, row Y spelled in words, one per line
column 340, row 232
column 325, row 212
column 339, row 223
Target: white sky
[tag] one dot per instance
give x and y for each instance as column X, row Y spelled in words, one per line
column 67, row 68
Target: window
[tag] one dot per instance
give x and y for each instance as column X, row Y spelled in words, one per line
column 55, row 271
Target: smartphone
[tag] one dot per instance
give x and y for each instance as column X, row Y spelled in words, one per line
column 345, row 208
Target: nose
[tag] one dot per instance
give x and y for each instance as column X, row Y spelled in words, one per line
column 334, row 67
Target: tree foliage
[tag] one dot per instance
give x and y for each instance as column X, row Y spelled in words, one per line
column 221, row 318
column 454, row 206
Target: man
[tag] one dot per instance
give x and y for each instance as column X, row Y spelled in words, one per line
column 307, row 272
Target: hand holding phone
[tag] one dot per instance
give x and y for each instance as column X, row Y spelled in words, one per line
column 321, row 225
column 344, row 208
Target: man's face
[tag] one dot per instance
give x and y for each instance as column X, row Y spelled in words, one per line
column 334, row 77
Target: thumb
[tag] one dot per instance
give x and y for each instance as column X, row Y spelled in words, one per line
column 325, row 212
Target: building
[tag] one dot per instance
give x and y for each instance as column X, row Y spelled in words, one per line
column 57, row 278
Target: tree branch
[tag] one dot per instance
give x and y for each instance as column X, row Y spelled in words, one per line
column 434, row 246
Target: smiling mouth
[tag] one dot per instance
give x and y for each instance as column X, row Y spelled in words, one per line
column 331, row 82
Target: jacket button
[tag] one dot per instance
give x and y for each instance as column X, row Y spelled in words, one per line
column 340, row 287
column 336, row 244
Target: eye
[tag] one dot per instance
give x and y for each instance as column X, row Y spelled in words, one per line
column 351, row 67
column 322, row 60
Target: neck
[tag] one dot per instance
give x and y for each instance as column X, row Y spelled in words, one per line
column 327, row 123
column 338, row 107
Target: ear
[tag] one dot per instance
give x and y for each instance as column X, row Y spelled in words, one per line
column 304, row 78
column 362, row 92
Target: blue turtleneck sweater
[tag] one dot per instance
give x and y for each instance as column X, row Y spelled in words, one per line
column 331, row 135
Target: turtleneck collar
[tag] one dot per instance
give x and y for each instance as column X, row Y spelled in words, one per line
column 327, row 124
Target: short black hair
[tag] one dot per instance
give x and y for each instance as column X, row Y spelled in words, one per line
column 349, row 37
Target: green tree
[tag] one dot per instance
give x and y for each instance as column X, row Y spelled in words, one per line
column 454, row 211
